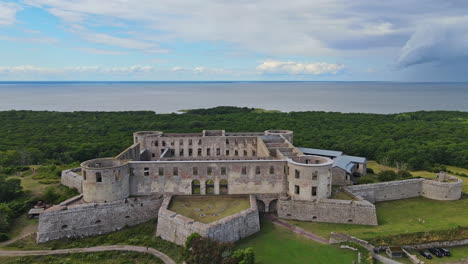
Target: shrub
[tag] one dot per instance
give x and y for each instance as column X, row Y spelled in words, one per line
column 190, row 238
column 404, row 174
column 370, row 170
column 365, row 180
column 4, row 237
column 387, row 175
column 244, row 256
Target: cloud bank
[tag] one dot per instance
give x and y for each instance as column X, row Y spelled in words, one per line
column 290, row 67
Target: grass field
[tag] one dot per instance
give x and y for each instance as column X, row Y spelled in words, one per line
column 277, row 245
column 208, row 209
column 401, row 216
column 111, row 257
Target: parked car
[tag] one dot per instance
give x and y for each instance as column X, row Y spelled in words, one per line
column 436, row 252
column 425, row 254
column 446, row 252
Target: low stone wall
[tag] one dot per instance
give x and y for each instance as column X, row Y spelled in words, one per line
column 176, row 228
column 437, row 190
column 74, row 218
column 329, row 210
column 396, row 190
column 72, row 179
column 452, row 243
column 386, row 191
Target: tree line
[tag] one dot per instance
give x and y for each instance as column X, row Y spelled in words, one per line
column 420, row 140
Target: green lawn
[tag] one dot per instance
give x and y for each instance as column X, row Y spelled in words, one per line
column 401, row 216
column 111, row 257
column 207, row 209
column 277, row 245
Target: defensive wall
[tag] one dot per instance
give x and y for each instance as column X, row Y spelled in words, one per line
column 74, row 218
column 72, row 179
column 176, row 228
column 450, row 189
column 358, row 212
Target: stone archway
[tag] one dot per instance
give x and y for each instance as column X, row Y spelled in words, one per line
column 209, row 187
column 196, row 187
column 261, row 206
column 223, row 186
column 273, row 206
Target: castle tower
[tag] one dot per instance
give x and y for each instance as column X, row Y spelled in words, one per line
column 105, row 180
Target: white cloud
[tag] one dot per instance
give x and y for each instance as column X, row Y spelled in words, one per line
column 442, row 40
column 290, row 67
column 35, row 40
column 8, row 13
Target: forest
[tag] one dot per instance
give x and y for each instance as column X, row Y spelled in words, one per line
column 420, row 140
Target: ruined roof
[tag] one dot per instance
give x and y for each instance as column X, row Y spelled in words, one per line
column 321, row 152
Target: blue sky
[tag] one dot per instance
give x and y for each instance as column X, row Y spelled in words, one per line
column 332, row 40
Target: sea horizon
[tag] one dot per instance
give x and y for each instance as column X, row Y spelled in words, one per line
column 381, row 97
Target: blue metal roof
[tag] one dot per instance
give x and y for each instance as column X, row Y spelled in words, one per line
column 356, row 159
column 321, row 152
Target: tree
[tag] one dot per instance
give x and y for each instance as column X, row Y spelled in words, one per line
column 387, row 175
column 10, row 189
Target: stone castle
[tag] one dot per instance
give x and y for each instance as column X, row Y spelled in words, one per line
column 296, row 183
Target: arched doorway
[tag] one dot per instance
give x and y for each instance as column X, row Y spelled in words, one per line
column 272, row 207
column 195, row 187
column 223, row 187
column 261, row 206
column 209, row 187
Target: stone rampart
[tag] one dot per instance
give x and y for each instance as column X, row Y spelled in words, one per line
column 176, row 228
column 73, row 218
column 437, row 190
column 328, row 210
column 386, row 191
column 72, row 179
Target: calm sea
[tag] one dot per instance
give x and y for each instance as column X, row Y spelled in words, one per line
column 166, row 97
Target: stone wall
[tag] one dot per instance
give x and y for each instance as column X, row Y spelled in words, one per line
column 450, row 190
column 329, row 210
column 73, row 218
column 176, row 228
column 72, row 179
column 452, row 243
column 396, row 190
column 386, row 191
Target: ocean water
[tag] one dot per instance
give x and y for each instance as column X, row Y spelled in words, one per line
column 167, row 97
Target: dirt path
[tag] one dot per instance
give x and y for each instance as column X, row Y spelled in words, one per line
column 16, row 238
column 154, row 252
column 295, row 229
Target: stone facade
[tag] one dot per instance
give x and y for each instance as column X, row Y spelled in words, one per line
column 176, row 228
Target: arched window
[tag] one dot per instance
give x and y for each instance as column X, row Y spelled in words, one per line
column 195, row 187
column 209, row 187
column 223, row 187
column 272, row 170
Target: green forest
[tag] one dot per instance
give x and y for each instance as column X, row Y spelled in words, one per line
column 421, row 140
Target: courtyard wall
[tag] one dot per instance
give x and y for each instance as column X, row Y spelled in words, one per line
column 176, row 228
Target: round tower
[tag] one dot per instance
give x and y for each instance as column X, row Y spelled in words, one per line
column 105, row 180
column 287, row 134
column 309, row 177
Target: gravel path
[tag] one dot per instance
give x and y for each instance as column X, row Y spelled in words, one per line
column 296, row 229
